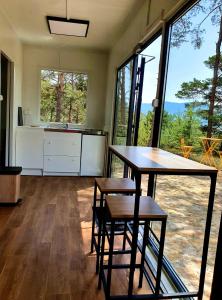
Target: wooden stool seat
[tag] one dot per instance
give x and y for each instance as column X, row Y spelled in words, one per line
column 122, row 207
column 116, row 185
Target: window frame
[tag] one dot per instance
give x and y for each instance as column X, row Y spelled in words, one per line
column 40, row 69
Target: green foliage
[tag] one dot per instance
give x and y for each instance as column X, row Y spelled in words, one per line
column 198, row 92
column 175, row 127
column 145, row 128
column 64, row 93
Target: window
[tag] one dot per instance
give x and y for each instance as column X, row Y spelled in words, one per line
column 63, row 97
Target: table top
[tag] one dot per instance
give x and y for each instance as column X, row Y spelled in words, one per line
column 211, row 139
column 149, row 159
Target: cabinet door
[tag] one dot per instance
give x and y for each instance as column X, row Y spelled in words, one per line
column 57, row 143
column 93, row 153
column 65, row 164
column 29, row 147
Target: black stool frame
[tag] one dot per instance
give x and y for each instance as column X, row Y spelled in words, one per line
column 110, row 266
column 98, row 213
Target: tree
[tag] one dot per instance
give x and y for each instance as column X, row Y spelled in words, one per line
column 184, row 28
column 60, row 92
column 199, row 92
column 63, row 96
column 175, row 127
column 145, row 128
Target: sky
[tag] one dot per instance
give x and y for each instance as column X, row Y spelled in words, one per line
column 185, row 63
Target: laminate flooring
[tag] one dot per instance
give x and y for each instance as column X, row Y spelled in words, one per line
column 45, row 243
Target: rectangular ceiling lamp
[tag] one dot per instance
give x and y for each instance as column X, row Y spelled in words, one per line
column 71, row 27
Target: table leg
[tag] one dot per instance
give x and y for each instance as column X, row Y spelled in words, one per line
column 135, row 233
column 151, row 185
column 94, row 216
column 109, row 164
column 216, row 290
column 213, row 178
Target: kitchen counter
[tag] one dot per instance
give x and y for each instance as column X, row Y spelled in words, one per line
column 83, row 131
column 60, row 151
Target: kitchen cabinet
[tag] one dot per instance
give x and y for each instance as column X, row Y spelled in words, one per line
column 63, row 164
column 62, row 153
column 29, row 150
column 93, row 155
column 41, row 151
column 59, row 143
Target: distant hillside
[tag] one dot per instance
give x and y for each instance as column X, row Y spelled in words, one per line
column 170, row 107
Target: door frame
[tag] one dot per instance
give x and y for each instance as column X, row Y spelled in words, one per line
column 132, row 57
column 10, row 105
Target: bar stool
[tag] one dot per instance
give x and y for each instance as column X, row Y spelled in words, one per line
column 108, row 186
column 121, row 208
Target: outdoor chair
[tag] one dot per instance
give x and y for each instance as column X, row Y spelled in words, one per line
column 186, row 150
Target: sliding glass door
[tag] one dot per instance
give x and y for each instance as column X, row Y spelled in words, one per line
column 184, row 72
column 135, row 89
column 192, row 114
column 124, row 86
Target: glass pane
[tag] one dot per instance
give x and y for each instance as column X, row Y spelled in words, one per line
column 191, row 127
column 124, row 81
column 122, row 104
column 152, row 55
column 63, row 97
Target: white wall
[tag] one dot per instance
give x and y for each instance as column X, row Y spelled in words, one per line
column 91, row 62
column 123, row 48
column 11, row 46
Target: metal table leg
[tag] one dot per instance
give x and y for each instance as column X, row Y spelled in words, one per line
column 216, row 290
column 94, row 217
column 99, row 235
column 213, row 178
column 109, row 164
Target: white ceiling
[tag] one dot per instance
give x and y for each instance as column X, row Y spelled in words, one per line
column 107, row 19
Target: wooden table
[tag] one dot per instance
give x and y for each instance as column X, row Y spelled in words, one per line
column 152, row 161
column 209, row 147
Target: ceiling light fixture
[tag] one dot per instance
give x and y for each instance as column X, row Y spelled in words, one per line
column 66, row 26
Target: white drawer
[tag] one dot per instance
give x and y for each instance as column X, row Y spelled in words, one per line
column 65, row 164
column 62, row 144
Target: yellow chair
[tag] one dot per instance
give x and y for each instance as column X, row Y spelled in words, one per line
column 186, row 150
column 220, row 163
column 210, row 146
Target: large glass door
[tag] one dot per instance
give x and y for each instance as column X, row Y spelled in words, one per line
column 135, row 89
column 125, row 87
column 151, row 54
column 192, row 112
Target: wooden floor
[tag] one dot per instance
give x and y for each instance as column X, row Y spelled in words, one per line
column 45, row 242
